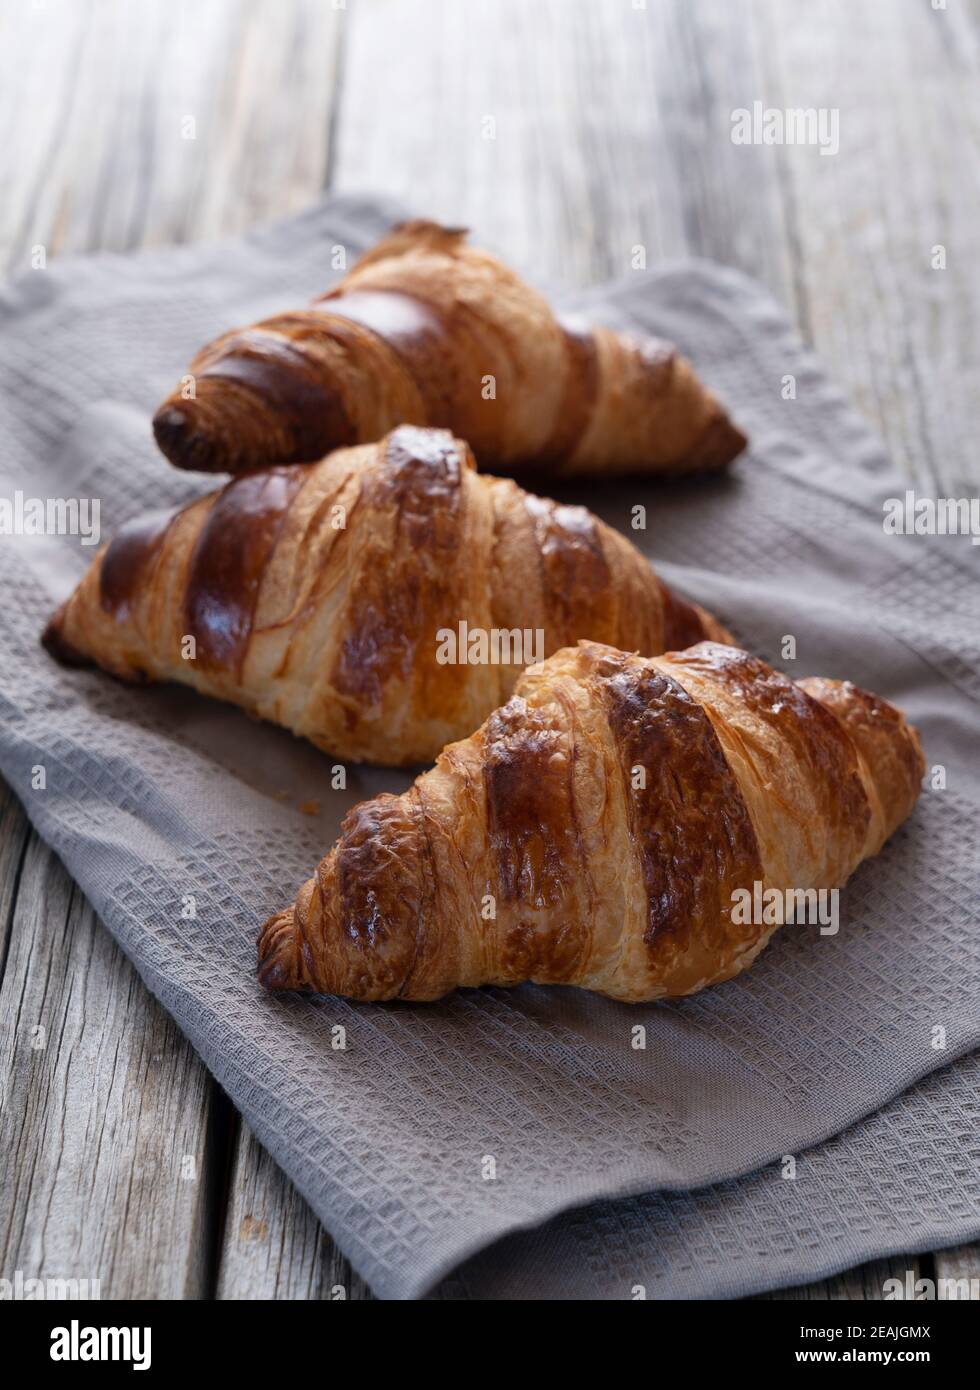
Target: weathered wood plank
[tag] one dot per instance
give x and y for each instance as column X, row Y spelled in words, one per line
column 109, row 1164
column 15, row 833
column 865, row 1283
column 274, row 1247
column 612, row 127
column 899, row 333
column 145, row 124
column 960, row 1263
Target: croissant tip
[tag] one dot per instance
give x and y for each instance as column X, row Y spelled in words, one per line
column 55, row 643
column 178, row 438
column 721, row 443
column 275, row 964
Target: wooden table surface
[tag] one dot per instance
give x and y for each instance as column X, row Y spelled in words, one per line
column 611, row 122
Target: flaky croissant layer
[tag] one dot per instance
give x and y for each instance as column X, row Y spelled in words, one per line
column 427, row 330
column 596, row 830
column 381, row 603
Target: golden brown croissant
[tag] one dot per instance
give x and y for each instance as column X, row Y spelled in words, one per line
column 329, row 599
column 595, row 830
column 427, row 330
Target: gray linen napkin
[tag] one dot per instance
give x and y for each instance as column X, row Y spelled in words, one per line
column 901, row 1181
column 157, row 799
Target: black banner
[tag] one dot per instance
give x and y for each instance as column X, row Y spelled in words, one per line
column 225, row 1338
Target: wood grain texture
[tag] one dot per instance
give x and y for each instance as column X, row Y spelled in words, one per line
column 960, row 1263
column 611, row 126
column 110, row 1162
column 166, row 121
column 613, row 129
column 274, row 1247
column 865, row 1283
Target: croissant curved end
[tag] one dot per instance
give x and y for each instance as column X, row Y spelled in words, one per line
column 56, row 644
column 179, row 439
column 720, row 445
column 277, row 953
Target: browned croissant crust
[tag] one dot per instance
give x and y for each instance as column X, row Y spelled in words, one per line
column 427, row 330
column 316, row 597
column 593, row 831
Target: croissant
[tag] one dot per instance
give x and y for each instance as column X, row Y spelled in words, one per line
column 381, row 603
column 596, row 830
column 427, row 330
